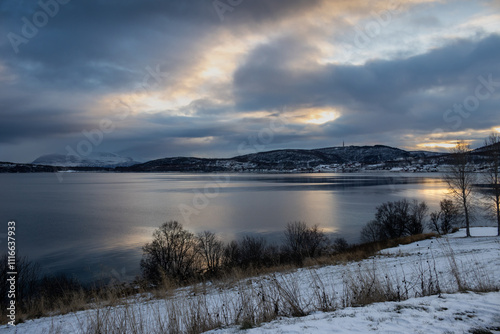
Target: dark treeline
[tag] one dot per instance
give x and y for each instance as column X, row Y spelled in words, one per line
column 179, row 255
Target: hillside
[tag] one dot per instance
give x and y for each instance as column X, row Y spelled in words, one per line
column 95, row 159
column 285, row 160
column 329, row 159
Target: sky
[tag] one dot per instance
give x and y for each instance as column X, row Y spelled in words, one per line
column 152, row 79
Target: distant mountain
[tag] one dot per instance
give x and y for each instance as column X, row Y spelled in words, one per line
column 329, row 155
column 426, row 154
column 95, row 159
column 329, row 159
column 487, row 149
column 283, row 160
column 11, row 167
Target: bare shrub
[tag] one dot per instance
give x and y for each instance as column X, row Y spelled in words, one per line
column 425, row 280
column 172, row 253
column 301, row 241
column 444, row 220
column 340, row 245
column 253, row 252
column 323, row 292
column 418, row 213
column 232, row 255
column 395, row 220
column 211, row 250
column 292, row 303
column 372, row 232
column 365, row 286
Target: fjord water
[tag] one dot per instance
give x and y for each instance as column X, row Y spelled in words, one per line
column 92, row 225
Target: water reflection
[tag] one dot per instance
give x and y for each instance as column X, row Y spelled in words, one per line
column 97, row 222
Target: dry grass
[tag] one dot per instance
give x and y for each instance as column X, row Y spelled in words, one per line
column 247, row 302
column 250, row 302
column 73, row 301
column 239, row 298
column 364, row 251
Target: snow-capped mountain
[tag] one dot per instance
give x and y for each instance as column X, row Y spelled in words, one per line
column 95, row 159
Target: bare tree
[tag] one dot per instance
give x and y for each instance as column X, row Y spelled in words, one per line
column 295, row 235
column 393, row 216
column 253, row 251
column 446, row 218
column 395, row 220
column 372, row 232
column 302, row 241
column 232, row 255
column 172, row 253
column 211, row 250
column 491, row 176
column 418, row 212
column 340, row 245
column 460, row 179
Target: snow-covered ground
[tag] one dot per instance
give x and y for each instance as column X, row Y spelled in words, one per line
column 448, row 313
column 410, row 271
column 454, row 313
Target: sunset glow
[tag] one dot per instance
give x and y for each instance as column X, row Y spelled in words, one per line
column 446, row 145
column 322, row 118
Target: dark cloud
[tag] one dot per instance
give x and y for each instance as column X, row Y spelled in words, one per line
column 103, row 45
column 390, row 88
column 95, row 51
column 108, row 44
column 39, row 124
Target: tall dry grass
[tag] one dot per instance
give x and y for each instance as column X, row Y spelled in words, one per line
column 251, row 296
column 248, row 302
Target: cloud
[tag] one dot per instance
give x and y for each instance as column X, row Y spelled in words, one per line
column 196, row 85
column 382, row 93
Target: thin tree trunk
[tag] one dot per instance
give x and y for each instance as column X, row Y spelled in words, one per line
column 467, row 224
column 498, row 214
column 496, row 188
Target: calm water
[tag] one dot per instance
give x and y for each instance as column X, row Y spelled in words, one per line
column 93, row 225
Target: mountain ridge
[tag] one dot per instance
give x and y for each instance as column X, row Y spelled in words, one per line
column 95, row 159
column 326, row 159
column 283, row 159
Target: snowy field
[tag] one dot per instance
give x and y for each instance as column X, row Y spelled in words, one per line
column 454, row 313
column 412, row 273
